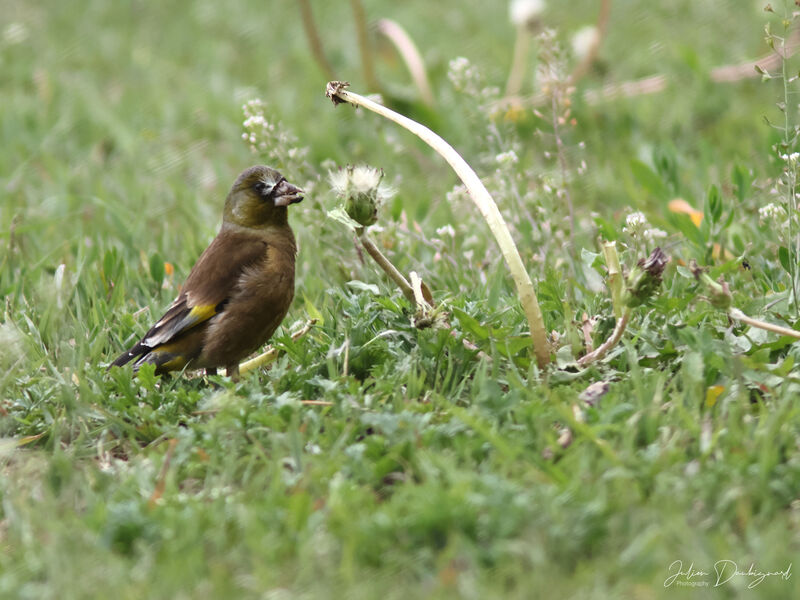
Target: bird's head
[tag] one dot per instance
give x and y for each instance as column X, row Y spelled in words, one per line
column 259, row 198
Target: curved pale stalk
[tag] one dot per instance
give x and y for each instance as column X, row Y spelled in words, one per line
column 385, row 264
column 612, row 341
column 482, row 199
column 410, row 54
column 735, row 313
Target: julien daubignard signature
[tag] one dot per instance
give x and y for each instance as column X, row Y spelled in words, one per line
column 722, row 572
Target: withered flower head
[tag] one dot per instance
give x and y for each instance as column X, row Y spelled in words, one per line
column 362, row 190
column 645, row 278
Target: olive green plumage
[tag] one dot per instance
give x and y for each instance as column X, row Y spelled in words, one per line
column 238, row 291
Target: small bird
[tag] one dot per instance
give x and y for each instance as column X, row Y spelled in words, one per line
column 238, row 291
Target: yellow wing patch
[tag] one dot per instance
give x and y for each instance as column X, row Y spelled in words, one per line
column 200, row 313
column 176, row 323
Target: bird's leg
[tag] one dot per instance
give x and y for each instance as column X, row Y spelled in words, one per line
column 233, row 371
column 211, row 371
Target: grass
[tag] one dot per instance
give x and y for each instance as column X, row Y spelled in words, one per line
column 423, row 469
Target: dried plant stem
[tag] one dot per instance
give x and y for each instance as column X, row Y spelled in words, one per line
column 735, row 313
column 516, row 74
column 482, row 199
column 314, row 40
column 615, row 283
column 362, row 36
column 411, row 56
column 416, row 287
column 612, row 341
column 658, row 83
column 385, row 264
column 591, row 56
column 270, row 354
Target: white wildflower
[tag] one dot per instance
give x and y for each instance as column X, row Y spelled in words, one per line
column 506, row 159
column 772, row 213
column 583, row 40
column 269, row 138
column 635, row 219
column 446, row 230
column 653, row 234
column 635, row 223
column 463, row 75
column 525, row 12
column 457, row 194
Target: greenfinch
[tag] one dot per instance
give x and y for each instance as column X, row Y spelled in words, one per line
column 238, row 291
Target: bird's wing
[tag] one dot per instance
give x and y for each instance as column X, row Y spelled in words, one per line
column 209, row 285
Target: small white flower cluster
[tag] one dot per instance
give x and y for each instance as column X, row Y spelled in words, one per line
column 772, row 214
column 458, row 194
column 637, row 227
column 507, row 159
column 635, row 223
column 463, row 75
column 270, row 139
column 257, row 129
column 790, row 158
column 446, row 231
column 466, row 79
column 654, row 233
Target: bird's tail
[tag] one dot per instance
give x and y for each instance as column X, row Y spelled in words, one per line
column 134, row 353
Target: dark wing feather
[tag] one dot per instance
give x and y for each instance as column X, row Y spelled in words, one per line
column 208, row 287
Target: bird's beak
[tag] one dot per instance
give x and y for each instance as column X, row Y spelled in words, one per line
column 286, row 194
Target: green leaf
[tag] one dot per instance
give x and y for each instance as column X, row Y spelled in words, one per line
column 713, row 206
column 339, row 214
column 648, row 179
column 313, row 311
column 146, row 375
column 363, row 287
column 157, row 268
column 471, row 324
column 783, row 256
column 742, row 181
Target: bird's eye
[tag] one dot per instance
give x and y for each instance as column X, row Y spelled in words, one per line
column 260, row 188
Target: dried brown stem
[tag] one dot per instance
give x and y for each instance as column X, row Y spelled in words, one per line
column 385, row 264
column 658, row 83
column 612, row 341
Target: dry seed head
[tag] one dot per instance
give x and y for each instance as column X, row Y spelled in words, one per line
column 362, row 189
column 645, row 278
